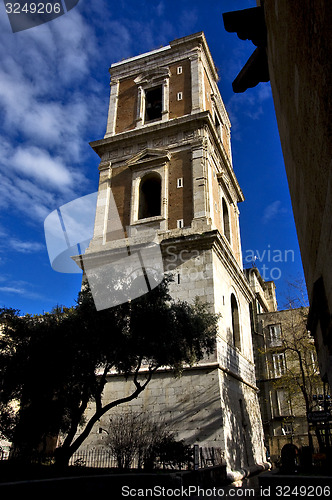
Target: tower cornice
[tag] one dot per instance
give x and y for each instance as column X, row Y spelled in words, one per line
column 204, row 241
column 139, row 135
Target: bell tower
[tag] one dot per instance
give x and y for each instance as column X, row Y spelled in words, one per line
column 165, row 162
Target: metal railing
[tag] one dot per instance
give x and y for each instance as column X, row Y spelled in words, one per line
column 102, row 458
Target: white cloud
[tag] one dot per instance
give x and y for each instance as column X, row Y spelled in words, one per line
column 22, row 291
column 8, row 242
column 22, row 196
column 25, row 246
column 160, row 8
column 49, row 103
column 38, row 164
column 34, row 183
column 41, row 119
column 273, row 211
column 12, row 289
column 53, row 100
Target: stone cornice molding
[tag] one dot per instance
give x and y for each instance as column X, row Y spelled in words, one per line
column 104, row 165
column 199, row 40
column 224, row 181
column 192, row 121
column 211, row 239
column 202, row 365
column 178, row 50
column 219, row 104
column 225, row 159
column 225, row 254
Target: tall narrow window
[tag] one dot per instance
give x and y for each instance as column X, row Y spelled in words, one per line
column 217, row 124
column 275, row 335
column 279, row 364
column 153, row 103
column 235, row 322
column 150, row 196
column 283, row 401
column 225, row 215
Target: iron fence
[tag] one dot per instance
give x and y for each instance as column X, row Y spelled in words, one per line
column 102, row 458
column 99, row 458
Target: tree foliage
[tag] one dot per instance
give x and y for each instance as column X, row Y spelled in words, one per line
column 299, row 379
column 54, row 365
column 301, row 375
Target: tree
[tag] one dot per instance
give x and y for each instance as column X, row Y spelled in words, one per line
column 54, row 365
column 138, row 436
column 8, row 413
column 299, row 372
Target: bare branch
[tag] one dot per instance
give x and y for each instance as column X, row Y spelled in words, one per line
column 98, row 414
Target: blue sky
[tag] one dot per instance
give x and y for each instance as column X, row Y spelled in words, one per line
column 54, row 92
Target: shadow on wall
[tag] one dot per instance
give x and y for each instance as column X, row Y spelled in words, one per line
column 239, row 441
column 199, row 413
column 203, row 410
column 189, row 404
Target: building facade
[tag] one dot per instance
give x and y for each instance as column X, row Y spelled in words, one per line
column 293, row 52
column 299, row 57
column 288, row 378
column 166, row 169
column 287, row 373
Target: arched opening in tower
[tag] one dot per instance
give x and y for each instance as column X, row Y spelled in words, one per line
column 235, row 322
column 225, row 214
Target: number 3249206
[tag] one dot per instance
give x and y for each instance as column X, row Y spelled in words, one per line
column 33, row 8
column 303, row 491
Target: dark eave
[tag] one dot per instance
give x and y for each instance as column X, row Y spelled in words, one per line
column 249, row 24
column 255, row 70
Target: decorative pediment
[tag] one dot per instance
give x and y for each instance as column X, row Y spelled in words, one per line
column 149, row 157
column 152, row 76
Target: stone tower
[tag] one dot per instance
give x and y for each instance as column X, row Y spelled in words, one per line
column 166, row 160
